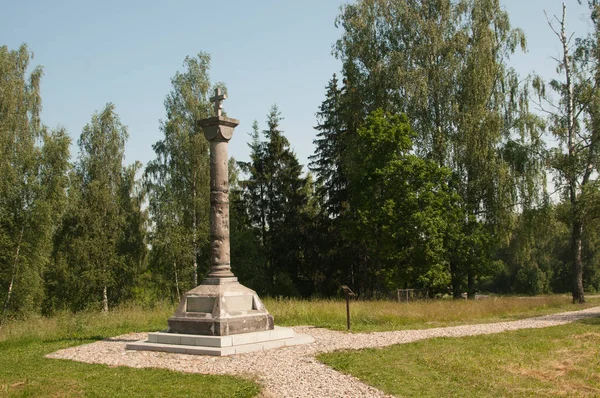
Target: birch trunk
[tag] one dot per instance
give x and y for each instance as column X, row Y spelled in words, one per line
column 577, row 265
column 176, row 281
column 12, row 279
column 105, row 300
column 577, row 231
column 194, row 233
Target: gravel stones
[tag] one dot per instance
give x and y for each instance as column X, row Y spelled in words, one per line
column 294, row 371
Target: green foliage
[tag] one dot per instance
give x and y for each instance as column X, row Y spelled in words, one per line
column 177, row 182
column 33, row 166
column 275, row 198
column 444, row 64
column 100, row 249
column 335, row 254
column 429, row 173
column 402, row 204
column 248, row 255
column 575, row 125
column 330, row 148
column 535, row 256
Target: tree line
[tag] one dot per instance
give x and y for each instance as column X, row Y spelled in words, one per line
column 432, row 170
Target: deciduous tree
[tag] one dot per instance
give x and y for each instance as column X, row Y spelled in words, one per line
column 177, row 181
column 33, row 167
column 575, row 124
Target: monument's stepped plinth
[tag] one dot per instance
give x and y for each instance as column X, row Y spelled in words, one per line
column 220, row 310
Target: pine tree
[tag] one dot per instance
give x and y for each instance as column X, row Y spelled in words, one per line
column 275, row 197
column 330, row 147
column 337, row 256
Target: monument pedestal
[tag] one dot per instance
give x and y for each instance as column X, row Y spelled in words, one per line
column 220, row 317
column 221, row 345
column 220, row 307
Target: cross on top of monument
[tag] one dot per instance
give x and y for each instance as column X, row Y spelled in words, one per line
column 218, row 100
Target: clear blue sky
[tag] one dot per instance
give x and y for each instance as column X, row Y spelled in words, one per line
column 266, row 52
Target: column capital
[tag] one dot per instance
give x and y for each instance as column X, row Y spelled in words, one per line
column 218, row 128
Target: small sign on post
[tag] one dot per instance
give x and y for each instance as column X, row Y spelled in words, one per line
column 348, row 293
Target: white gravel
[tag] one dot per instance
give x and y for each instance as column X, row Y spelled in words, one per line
column 294, row 371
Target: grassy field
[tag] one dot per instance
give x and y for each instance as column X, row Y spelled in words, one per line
column 369, row 316
column 366, row 316
column 25, row 372
column 560, row 361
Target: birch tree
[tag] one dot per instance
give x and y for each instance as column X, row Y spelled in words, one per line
column 177, row 181
column 33, row 166
column 445, row 65
column 575, row 124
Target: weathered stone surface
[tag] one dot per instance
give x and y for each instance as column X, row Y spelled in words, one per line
column 218, row 131
column 220, row 306
column 200, row 304
column 235, row 309
column 221, row 327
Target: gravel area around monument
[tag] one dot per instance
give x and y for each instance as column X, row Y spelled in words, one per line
column 294, row 371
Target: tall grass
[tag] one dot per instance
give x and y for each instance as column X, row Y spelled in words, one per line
column 365, row 316
column 92, row 325
column 390, row 315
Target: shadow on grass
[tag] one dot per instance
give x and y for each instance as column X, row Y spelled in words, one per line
column 591, row 321
column 119, row 340
column 30, row 341
column 86, row 339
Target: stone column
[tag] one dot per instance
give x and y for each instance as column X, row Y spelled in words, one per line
column 218, row 131
column 220, row 305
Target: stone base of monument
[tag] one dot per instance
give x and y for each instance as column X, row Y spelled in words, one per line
column 220, row 307
column 220, row 317
column 220, row 345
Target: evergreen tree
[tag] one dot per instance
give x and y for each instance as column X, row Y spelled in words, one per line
column 275, row 197
column 247, row 253
column 330, row 149
column 339, row 258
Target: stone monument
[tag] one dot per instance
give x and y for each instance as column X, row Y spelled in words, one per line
column 220, row 316
column 220, row 306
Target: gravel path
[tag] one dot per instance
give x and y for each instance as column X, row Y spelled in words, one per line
column 294, row 371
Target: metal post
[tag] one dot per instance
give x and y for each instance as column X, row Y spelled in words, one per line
column 349, row 293
column 348, row 311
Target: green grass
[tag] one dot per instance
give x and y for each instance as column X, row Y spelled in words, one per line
column 550, row 362
column 24, row 372
column 88, row 324
column 367, row 316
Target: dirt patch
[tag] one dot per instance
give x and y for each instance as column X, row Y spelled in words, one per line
column 589, row 335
